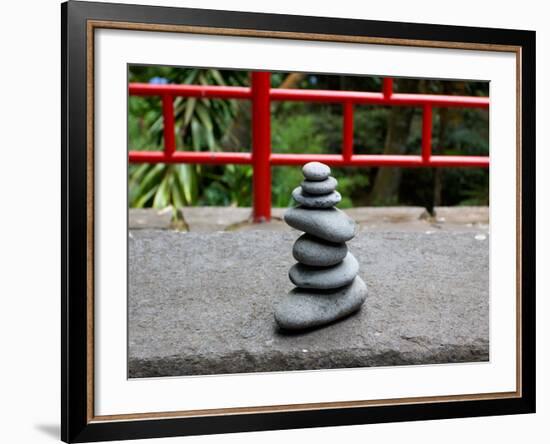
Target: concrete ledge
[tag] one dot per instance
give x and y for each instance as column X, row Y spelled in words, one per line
column 202, row 303
column 212, row 219
column 462, row 215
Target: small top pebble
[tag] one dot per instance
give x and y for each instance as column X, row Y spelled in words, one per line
column 316, row 171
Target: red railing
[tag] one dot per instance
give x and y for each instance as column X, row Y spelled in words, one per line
column 261, row 158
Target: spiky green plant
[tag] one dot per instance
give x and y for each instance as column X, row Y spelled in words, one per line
column 199, row 124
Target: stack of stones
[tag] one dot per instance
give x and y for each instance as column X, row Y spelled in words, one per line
column 327, row 285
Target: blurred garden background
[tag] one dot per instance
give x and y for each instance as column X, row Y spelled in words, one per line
column 297, row 127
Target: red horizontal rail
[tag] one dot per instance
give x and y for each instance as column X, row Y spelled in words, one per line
column 203, row 157
column 214, row 158
column 310, row 95
column 374, row 98
column 203, row 91
column 380, row 160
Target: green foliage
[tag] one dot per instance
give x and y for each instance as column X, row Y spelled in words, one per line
column 229, row 185
column 467, row 133
column 297, row 127
column 352, row 183
column 370, row 129
column 199, row 125
column 292, row 133
column 160, row 185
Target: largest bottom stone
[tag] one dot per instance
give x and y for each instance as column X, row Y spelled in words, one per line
column 302, row 308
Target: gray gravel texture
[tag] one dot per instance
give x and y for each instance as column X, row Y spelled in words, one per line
column 202, row 303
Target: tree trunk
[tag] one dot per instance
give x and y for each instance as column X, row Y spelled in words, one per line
column 446, row 88
column 438, row 173
column 386, row 184
column 292, row 80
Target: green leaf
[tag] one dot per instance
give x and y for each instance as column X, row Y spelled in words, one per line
column 162, row 196
column 217, row 76
column 144, row 198
column 206, row 121
column 189, row 110
column 196, row 132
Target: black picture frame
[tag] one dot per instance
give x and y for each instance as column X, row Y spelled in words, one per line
column 77, row 425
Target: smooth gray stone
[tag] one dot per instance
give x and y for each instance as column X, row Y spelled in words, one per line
column 315, row 171
column 325, row 278
column 330, row 224
column 311, row 250
column 316, row 201
column 300, row 309
column 326, row 186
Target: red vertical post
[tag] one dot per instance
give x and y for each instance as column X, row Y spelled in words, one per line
column 387, row 87
column 427, row 134
column 261, row 146
column 347, row 136
column 168, row 121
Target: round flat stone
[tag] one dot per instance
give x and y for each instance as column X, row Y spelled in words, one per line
column 316, row 201
column 315, row 171
column 310, row 250
column 330, row 224
column 326, row 186
column 301, row 309
column 325, row 278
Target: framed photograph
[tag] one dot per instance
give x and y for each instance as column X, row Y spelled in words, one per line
column 276, row 221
